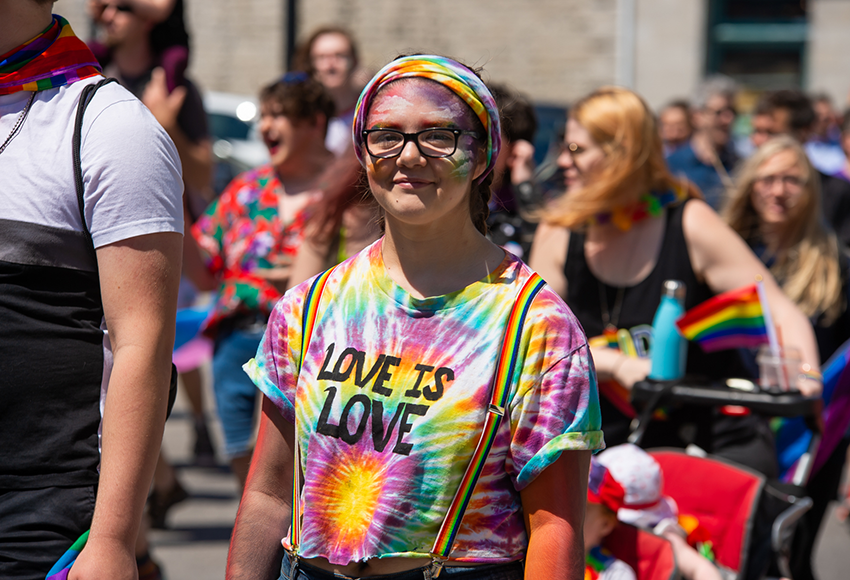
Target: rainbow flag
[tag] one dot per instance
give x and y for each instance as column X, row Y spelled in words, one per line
column 730, row 320
column 62, row 567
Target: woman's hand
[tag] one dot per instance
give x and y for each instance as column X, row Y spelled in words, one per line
column 278, row 275
column 611, row 364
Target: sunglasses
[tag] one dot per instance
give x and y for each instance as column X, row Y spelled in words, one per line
column 126, row 8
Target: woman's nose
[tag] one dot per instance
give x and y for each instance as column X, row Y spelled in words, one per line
column 410, row 154
column 565, row 159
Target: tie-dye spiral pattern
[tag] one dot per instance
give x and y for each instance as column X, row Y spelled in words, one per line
column 391, row 401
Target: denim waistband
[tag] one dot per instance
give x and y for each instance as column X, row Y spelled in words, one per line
column 508, row 571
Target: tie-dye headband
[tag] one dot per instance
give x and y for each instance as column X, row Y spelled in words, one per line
column 449, row 73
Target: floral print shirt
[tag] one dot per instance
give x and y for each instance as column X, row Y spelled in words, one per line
column 240, row 232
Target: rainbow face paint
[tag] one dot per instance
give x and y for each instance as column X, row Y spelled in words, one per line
column 449, row 73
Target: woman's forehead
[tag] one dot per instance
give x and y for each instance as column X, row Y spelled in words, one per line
column 404, row 99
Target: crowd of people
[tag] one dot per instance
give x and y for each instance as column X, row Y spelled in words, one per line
column 428, row 403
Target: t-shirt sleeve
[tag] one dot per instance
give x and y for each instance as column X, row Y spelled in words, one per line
column 131, row 170
column 275, row 367
column 556, row 407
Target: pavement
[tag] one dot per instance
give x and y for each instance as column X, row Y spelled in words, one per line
column 195, row 544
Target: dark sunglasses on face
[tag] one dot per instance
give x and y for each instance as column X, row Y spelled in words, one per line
column 118, row 8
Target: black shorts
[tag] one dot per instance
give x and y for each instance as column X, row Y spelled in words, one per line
column 37, row 526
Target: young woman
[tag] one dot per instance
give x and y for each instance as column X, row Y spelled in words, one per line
column 776, row 207
column 394, row 386
column 622, row 229
column 248, row 238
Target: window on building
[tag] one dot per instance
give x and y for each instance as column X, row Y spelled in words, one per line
column 759, row 43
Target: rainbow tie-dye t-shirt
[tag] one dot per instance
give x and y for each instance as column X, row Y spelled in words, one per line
column 391, row 401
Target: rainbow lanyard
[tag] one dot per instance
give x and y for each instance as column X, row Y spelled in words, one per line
column 502, row 380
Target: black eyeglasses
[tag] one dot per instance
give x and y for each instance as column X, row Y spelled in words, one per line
column 435, row 142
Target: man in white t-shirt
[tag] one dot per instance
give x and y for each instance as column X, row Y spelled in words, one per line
column 83, row 409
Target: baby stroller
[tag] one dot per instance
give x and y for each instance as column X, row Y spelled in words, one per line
column 650, row 556
column 751, row 521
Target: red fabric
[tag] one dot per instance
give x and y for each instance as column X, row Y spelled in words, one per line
column 650, row 556
column 721, row 496
column 607, row 492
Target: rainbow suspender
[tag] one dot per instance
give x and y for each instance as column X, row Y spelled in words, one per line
column 502, row 380
column 308, row 323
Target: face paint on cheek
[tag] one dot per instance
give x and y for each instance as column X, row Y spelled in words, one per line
column 462, row 165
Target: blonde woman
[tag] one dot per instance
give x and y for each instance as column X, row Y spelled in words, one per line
column 623, row 227
column 776, row 207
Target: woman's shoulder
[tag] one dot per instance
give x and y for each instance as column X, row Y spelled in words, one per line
column 548, row 314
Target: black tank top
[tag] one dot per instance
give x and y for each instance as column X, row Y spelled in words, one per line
column 639, row 303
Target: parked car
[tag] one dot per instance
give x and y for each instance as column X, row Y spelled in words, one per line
column 237, row 145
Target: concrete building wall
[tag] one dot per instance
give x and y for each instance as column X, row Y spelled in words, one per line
column 829, row 49
column 237, row 45
column 669, row 48
column 553, row 50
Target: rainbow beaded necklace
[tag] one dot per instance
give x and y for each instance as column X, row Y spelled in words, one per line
column 649, row 205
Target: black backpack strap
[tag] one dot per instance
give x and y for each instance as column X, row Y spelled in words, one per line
column 85, row 99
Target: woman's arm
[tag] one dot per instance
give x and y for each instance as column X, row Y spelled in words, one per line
column 553, row 505
column 153, row 10
column 264, row 513
column 549, row 254
column 721, row 258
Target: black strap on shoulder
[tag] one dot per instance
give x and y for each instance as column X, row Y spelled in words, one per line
column 85, row 99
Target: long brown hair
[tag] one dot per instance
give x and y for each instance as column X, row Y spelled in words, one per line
column 620, row 122
column 806, row 264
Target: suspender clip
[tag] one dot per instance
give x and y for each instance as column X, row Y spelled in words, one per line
column 497, row 410
column 436, row 567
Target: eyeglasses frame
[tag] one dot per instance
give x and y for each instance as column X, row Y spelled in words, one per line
column 407, row 137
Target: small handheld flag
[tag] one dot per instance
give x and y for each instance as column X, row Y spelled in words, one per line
column 730, row 320
column 62, row 567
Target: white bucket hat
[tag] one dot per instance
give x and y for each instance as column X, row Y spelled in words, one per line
column 640, row 475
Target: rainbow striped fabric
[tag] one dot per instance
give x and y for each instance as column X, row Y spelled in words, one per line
column 62, row 566
column 733, row 319
column 54, row 58
column 449, row 73
column 392, row 399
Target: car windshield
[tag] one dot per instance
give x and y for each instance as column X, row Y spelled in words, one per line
column 227, row 127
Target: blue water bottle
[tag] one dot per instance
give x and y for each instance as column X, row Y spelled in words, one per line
column 669, row 347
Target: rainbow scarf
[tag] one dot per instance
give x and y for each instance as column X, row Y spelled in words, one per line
column 62, row 566
column 451, row 74
column 730, row 320
column 54, row 58
column 596, row 562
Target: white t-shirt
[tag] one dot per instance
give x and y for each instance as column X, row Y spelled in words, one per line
column 131, row 170
column 55, row 370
